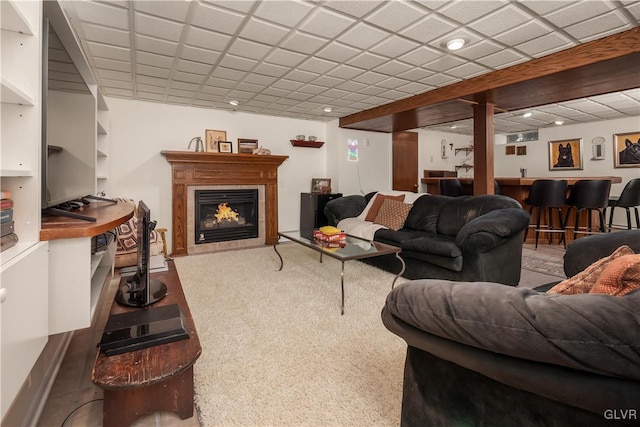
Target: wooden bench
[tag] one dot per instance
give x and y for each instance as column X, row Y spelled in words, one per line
column 153, row 379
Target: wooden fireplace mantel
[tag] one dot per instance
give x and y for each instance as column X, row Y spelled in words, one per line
column 189, row 168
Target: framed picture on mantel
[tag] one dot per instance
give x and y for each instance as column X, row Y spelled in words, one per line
column 212, row 138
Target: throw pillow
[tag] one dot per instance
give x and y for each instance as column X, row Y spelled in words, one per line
column 392, row 214
column 586, row 279
column 377, row 202
column 621, row 276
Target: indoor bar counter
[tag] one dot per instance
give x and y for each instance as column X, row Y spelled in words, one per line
column 518, row 188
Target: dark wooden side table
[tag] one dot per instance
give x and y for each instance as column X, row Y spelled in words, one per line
column 153, row 379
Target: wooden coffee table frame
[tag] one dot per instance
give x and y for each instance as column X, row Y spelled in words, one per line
column 343, row 255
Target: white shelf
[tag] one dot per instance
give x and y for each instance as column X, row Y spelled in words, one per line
column 11, row 94
column 19, row 248
column 97, row 281
column 6, row 173
column 13, row 19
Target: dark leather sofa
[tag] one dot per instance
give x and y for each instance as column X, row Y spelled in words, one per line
column 468, row 238
column 493, row 355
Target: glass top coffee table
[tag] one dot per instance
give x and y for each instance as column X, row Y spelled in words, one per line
column 354, row 248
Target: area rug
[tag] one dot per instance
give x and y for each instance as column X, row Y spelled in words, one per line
column 552, row 267
column 275, row 349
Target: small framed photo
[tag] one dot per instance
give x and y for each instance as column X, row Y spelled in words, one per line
column 320, row 185
column 509, row 150
column 246, row 146
column 626, row 150
column 521, row 150
column 225, row 147
column 565, row 154
column 212, row 138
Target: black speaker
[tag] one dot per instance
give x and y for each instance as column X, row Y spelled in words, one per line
column 312, row 211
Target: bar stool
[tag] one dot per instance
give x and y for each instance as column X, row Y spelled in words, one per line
column 590, row 195
column 550, row 194
column 451, row 187
column 628, row 199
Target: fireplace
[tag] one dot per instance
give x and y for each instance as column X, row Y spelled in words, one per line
column 225, row 215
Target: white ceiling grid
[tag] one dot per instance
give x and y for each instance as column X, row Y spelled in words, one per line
column 293, row 58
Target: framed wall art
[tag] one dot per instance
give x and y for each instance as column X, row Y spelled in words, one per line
column 565, row 154
column 509, row 150
column 246, row 146
column 320, row 185
column 626, row 150
column 225, row 147
column 212, row 138
column 521, row 150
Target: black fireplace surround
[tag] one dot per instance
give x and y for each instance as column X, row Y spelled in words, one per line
column 225, row 215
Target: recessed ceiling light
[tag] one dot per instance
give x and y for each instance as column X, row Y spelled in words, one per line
column 328, row 109
column 527, row 115
column 559, row 122
column 455, row 44
column 234, row 102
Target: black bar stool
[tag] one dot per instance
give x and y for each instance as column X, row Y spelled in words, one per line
column 548, row 194
column 451, row 187
column 590, row 195
column 628, row 199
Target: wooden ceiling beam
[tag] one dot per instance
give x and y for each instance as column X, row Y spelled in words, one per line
column 601, row 66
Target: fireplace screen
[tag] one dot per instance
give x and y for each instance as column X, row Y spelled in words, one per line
column 224, row 215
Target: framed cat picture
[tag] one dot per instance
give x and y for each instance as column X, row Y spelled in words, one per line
column 626, row 150
column 565, row 154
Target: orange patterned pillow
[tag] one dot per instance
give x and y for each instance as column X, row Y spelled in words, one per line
column 392, row 214
column 621, row 276
column 585, row 280
column 377, row 202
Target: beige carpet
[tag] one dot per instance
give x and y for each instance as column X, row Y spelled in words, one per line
column 277, row 352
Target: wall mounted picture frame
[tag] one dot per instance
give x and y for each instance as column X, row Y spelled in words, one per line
column 626, row 148
column 246, row 146
column 521, row 150
column 597, row 148
column 509, row 150
column 565, row 154
column 225, row 147
column 319, row 185
column 212, row 138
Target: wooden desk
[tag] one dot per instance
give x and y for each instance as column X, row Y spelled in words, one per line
column 517, row 188
column 153, row 379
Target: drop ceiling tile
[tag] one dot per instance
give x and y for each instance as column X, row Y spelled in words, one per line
column 393, row 68
column 110, row 64
column 392, row 82
column 428, row 28
column 206, row 39
column 444, row 63
column 546, row 6
column 193, row 67
column 421, row 56
column 288, row 85
column 148, row 96
column 344, row 72
column 394, row 46
column 415, row 74
column 185, row 86
column 479, row 49
column 544, row 45
column 634, row 9
column 271, row 70
column 215, row 18
column 174, row 10
column 146, row 70
column 301, row 76
column 269, row 99
column 102, row 13
column 220, row 82
column 367, row 61
column 149, row 80
column 191, row 78
column 118, row 93
column 370, row 78
column 120, row 84
column 106, row 35
column 467, row 11
column 150, row 88
column 362, row 36
column 177, row 100
column 259, row 79
column 208, row 98
column 467, row 71
column 284, row 13
column 249, row 49
column 356, row 8
column 413, row 88
column 239, row 94
column 528, row 31
column 327, row 81
column 438, row 80
column 508, row 17
column 259, row 105
column 158, row 27
column 335, row 93
column 237, row 63
column 285, row 57
column 372, row 90
column 606, row 24
column 317, row 65
column 160, row 61
column 393, row 16
column 394, row 95
column 312, row 89
column 114, row 75
column 501, row 59
column 249, row 87
column 337, row 52
column 355, row 97
column 214, row 90
column 153, row 45
column 351, row 86
column 264, row 32
column 304, row 43
column 197, row 54
column 576, row 12
column 326, row 23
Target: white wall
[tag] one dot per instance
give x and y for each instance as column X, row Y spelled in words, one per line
column 139, row 131
column 430, row 153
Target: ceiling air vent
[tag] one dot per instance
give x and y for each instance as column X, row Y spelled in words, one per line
column 531, row 135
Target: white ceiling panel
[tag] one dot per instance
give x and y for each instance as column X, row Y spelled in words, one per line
column 292, row 58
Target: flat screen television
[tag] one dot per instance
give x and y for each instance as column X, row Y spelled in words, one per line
column 141, row 290
column 68, row 129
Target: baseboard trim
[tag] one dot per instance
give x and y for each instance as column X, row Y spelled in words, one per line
column 32, row 397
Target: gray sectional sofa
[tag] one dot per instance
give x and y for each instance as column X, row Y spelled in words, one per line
column 468, row 238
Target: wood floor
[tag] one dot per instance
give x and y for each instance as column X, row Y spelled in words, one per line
column 75, row 401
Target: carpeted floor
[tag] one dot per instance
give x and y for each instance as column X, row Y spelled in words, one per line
column 277, row 352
